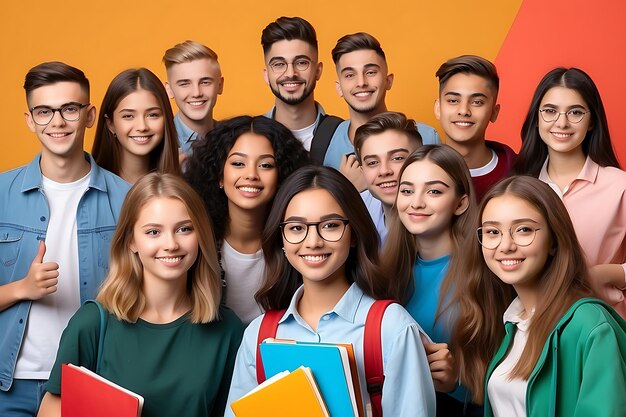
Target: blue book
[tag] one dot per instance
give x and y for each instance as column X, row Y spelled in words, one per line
column 330, row 365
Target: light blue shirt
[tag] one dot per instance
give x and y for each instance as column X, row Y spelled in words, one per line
column 377, row 213
column 186, row 136
column 24, row 220
column 341, row 145
column 408, row 388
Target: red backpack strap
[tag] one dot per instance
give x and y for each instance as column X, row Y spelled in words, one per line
column 268, row 328
column 373, row 354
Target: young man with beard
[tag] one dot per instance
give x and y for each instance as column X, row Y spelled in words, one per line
column 194, row 80
column 291, row 71
column 363, row 82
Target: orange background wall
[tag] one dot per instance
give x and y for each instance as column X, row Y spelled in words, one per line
column 417, row 35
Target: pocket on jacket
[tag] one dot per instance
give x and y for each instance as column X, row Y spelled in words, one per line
column 10, row 241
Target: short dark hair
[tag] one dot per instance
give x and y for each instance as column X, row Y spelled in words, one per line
column 381, row 123
column 54, row 72
column 288, row 29
column 356, row 42
column 468, row 64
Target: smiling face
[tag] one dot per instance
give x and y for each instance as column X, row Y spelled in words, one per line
column 61, row 138
column 250, row 175
column 520, row 266
column 363, row 80
column 465, row 107
column 382, row 157
column 562, row 136
column 165, row 240
column 195, row 86
column 427, row 201
column 290, row 85
column 138, row 123
column 317, row 260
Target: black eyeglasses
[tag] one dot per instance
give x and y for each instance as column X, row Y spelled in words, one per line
column 70, row 112
column 573, row 116
column 278, row 67
column 330, row 230
column 491, row 237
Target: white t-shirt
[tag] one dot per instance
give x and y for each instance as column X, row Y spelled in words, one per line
column 508, row 396
column 486, row 169
column 49, row 315
column 244, row 275
column 305, row 135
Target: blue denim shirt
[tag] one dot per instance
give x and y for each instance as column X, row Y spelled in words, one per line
column 186, row 136
column 24, row 220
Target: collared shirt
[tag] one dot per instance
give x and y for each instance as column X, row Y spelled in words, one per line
column 340, row 143
column 186, row 136
column 377, row 213
column 408, row 387
column 596, row 202
column 23, row 223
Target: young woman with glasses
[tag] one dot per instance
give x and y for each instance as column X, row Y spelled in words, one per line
column 559, row 353
column 566, row 144
column 433, row 208
column 237, row 170
column 322, row 254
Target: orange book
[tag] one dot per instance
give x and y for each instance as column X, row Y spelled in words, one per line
column 286, row 394
column 85, row 393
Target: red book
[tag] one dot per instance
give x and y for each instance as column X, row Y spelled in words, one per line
column 86, row 394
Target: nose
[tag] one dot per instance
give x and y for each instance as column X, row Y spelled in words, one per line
column 561, row 120
column 290, row 70
column 57, row 119
column 252, row 172
column 361, row 79
column 385, row 169
column 507, row 244
column 170, row 243
column 464, row 108
column 313, row 239
column 195, row 92
column 141, row 124
column 417, row 201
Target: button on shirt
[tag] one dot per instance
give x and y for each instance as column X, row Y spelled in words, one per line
column 408, row 387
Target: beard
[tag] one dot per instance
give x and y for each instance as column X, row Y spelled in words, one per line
column 292, row 101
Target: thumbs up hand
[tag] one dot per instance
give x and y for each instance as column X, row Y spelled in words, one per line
column 42, row 277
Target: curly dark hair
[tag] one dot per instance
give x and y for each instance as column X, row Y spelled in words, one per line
column 204, row 169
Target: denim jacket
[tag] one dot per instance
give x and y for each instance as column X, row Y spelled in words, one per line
column 24, row 220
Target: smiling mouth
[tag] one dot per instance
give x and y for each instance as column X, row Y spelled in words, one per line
column 561, row 135
column 248, row 189
column 170, row 259
column 140, row 139
column 58, row 135
column 463, row 124
column 364, row 93
column 389, row 184
column 315, row 258
column 196, row 103
column 511, row 262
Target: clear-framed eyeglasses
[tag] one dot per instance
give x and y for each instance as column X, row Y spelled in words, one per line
column 490, row 237
column 301, row 64
column 573, row 116
column 70, row 112
column 331, row 230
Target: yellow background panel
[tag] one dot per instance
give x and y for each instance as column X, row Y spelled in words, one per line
column 104, row 39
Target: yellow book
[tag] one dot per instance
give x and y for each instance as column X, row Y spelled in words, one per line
column 286, row 394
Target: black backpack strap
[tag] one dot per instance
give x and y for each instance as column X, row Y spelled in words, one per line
column 322, row 136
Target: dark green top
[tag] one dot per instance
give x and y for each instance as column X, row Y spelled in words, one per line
column 180, row 368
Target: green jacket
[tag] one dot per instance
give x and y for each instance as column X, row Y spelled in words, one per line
column 581, row 371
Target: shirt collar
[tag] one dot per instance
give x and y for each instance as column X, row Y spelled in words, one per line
column 589, row 172
column 320, row 111
column 513, row 315
column 33, row 178
column 187, row 133
column 346, row 308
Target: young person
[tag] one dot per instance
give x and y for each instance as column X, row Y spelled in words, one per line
column 560, row 354
column 322, row 253
column 57, row 215
column 135, row 133
column 292, row 70
column 566, row 143
column 236, row 171
column 194, row 80
column 162, row 303
column 363, row 81
column 434, row 208
column 381, row 146
column 467, row 103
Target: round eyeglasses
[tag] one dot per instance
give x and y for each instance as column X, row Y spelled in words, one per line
column 70, row 112
column 330, row 230
column 573, row 116
column 279, row 67
column 490, row 237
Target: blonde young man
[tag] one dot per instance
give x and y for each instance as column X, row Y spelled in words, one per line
column 194, row 80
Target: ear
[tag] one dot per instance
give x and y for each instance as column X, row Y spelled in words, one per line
column 338, row 88
column 318, row 71
column 389, row 81
column 29, row 122
column 437, row 109
column 168, row 89
column 265, row 76
column 91, row 116
column 462, row 206
column 109, row 123
column 494, row 114
column 220, row 87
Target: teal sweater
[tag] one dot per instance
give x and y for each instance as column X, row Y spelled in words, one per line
column 582, row 368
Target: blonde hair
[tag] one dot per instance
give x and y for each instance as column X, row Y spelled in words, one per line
column 186, row 52
column 121, row 292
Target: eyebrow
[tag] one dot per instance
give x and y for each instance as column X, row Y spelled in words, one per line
column 280, row 58
column 180, row 223
column 366, row 66
column 134, row 110
column 322, row 218
column 574, row 106
column 62, row 105
column 245, row 155
column 391, row 152
column 434, row 182
column 473, row 95
column 516, row 221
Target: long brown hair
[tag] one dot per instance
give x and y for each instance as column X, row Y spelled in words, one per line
column 400, row 251
column 282, row 279
column 121, row 292
column 482, row 298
